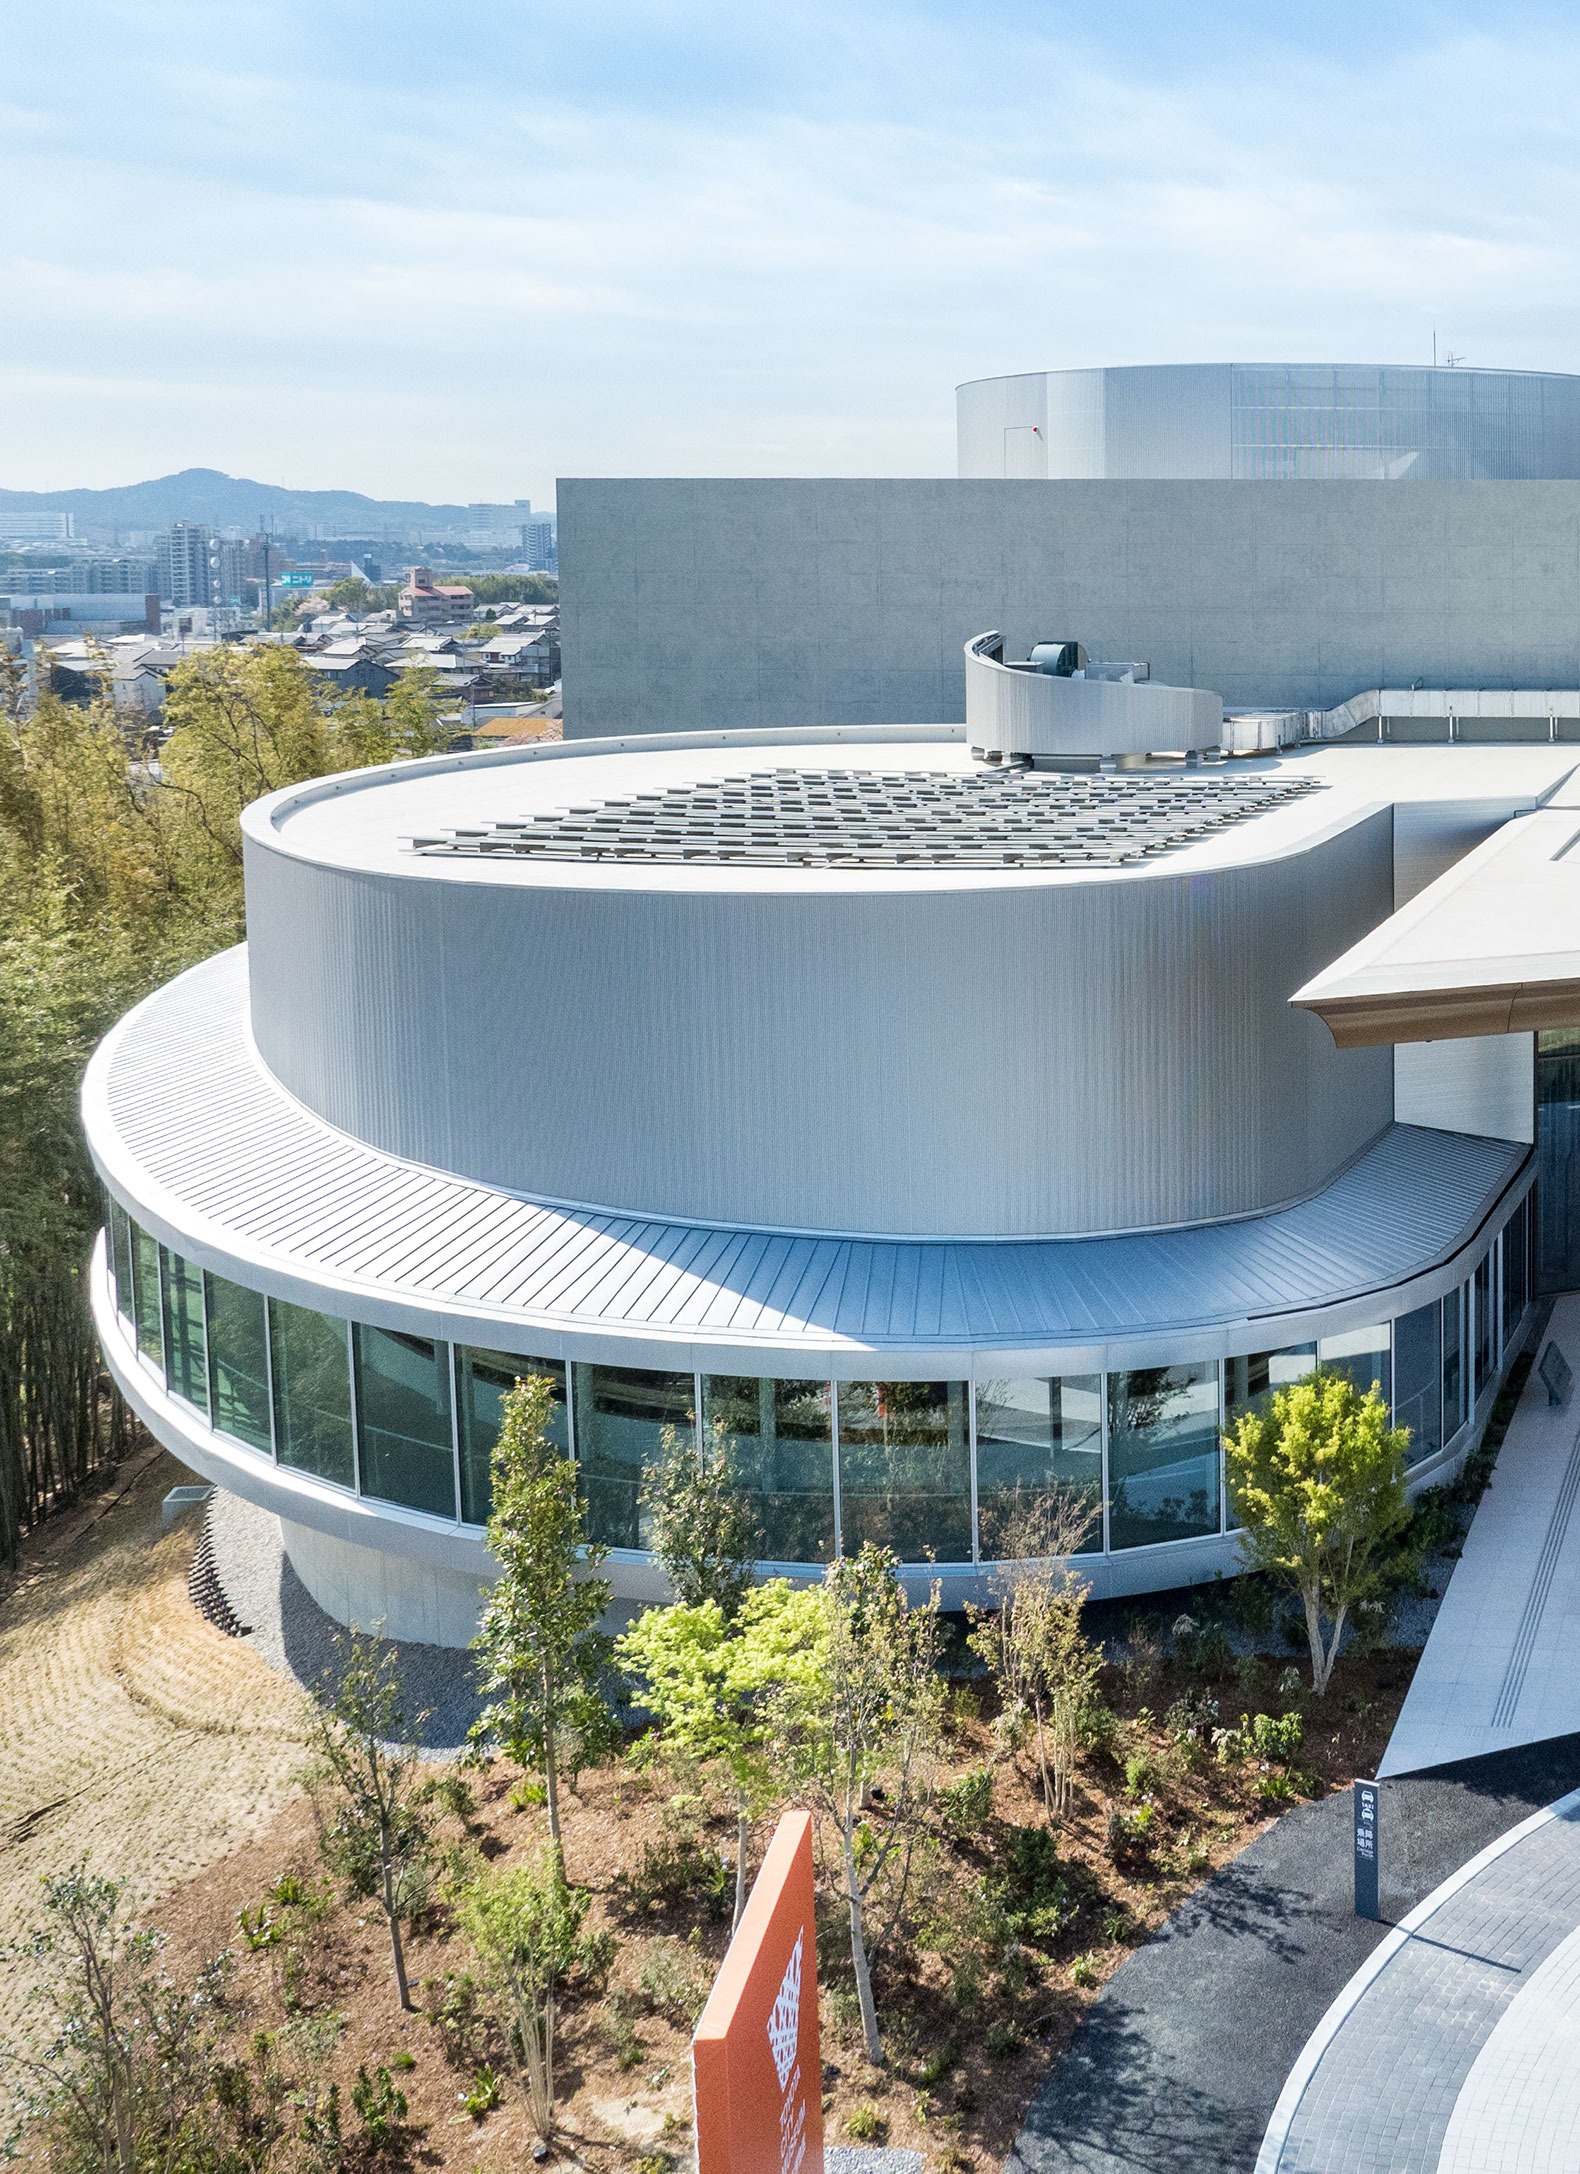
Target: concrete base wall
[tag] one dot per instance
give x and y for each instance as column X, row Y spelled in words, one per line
column 373, row 1590
column 690, row 605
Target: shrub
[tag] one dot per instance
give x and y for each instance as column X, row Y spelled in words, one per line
column 678, row 1873
column 619, row 2031
column 965, row 1806
column 963, row 1708
column 1212, row 1652
column 1274, row 1789
column 451, row 2005
column 1083, row 1972
column 1140, row 1775
column 1097, row 1729
column 867, row 2125
column 1275, row 1738
column 1003, row 2041
column 1190, row 1722
column 1132, row 1835
column 936, row 2067
column 482, row 2096
column 1032, row 1898
column 675, row 1979
column 380, row 2105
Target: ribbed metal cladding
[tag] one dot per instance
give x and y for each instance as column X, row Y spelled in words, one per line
column 188, row 1124
column 1006, row 1060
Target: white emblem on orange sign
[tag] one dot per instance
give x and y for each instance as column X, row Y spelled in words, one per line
column 784, row 2024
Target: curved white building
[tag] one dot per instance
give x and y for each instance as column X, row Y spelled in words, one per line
column 1272, row 420
column 941, row 1132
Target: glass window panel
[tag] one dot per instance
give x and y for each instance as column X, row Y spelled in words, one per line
column 1162, row 1454
column 238, row 1362
column 1453, row 1365
column 1251, row 1382
column 905, row 1469
column 1516, row 1261
column 1481, row 1324
column 621, row 1415
column 186, row 1343
column 1418, row 1380
column 1363, row 1354
column 121, row 1258
column 484, row 1379
column 780, row 1436
column 146, row 1310
column 1558, row 1159
column 1037, row 1440
column 312, row 1392
column 403, row 1420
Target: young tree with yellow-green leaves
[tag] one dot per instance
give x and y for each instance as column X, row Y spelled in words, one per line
column 710, row 1681
column 539, row 1642
column 120, row 864
column 1317, row 1481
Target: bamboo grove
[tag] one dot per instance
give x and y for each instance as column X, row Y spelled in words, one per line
column 120, row 864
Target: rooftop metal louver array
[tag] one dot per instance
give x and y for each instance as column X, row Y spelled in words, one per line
column 865, row 819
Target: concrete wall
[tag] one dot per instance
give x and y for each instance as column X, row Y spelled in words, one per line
column 373, row 1590
column 783, row 603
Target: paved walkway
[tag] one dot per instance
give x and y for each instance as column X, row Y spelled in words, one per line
column 1178, row 2065
column 1499, row 1666
column 1452, row 2050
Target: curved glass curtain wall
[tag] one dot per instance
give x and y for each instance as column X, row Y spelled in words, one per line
column 937, row 1470
column 1351, row 421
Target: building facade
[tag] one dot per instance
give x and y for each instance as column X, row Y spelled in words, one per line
column 424, row 602
column 183, row 562
column 938, row 1134
column 694, row 605
column 1272, row 421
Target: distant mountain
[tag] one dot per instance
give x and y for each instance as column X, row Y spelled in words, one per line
column 205, row 494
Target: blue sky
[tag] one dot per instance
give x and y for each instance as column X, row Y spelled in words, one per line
column 454, row 250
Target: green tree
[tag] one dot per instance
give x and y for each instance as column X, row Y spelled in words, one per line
column 123, row 2078
column 377, row 1817
column 539, row 1642
column 513, row 588
column 869, row 1717
column 526, row 1928
column 1045, row 1665
column 1317, row 1480
column 412, row 714
column 709, row 1680
column 705, row 1531
column 116, row 872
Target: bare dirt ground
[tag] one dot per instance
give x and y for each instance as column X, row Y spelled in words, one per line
column 131, row 1732
column 970, row 2033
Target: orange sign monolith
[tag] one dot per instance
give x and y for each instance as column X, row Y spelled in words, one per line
column 756, row 2062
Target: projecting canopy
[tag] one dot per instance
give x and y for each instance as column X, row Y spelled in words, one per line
column 1492, row 947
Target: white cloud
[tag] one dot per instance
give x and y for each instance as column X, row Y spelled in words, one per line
column 454, row 271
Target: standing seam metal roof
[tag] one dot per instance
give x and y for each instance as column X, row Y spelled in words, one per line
column 182, row 1109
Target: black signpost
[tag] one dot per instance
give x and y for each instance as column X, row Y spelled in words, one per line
column 1368, row 1797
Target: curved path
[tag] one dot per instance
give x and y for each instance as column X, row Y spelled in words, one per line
column 1179, row 2064
column 1454, row 2047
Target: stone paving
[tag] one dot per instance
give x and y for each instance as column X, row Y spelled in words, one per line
column 1498, row 1669
column 1520, row 2105
column 1440, row 2052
